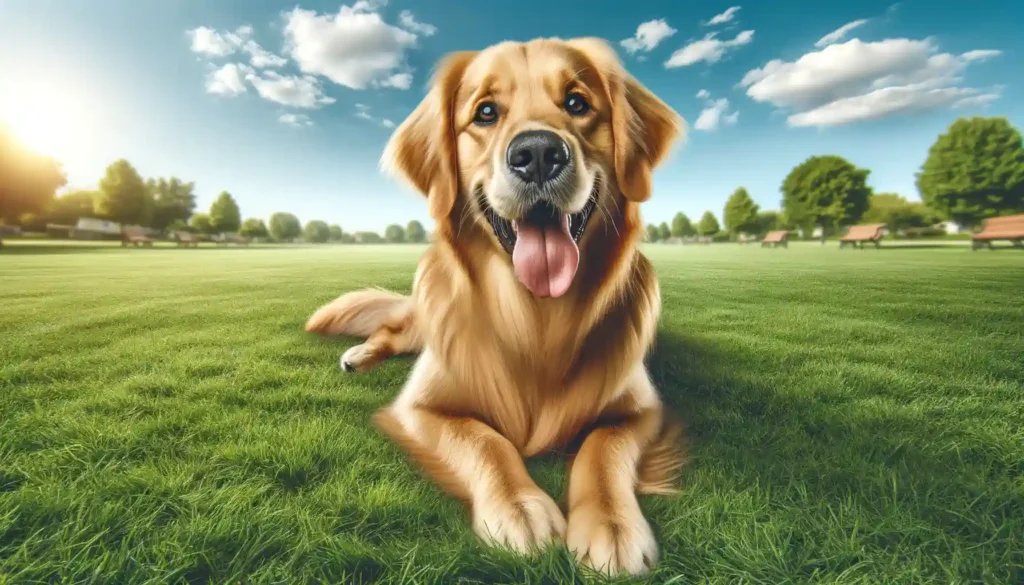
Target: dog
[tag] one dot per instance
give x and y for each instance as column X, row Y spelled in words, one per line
column 533, row 309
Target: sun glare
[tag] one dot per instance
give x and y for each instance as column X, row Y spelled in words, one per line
column 44, row 122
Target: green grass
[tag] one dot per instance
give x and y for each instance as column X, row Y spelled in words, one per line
column 855, row 416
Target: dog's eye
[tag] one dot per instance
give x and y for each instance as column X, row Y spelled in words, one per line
column 486, row 113
column 576, row 104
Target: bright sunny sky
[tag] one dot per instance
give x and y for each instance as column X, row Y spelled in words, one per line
column 288, row 106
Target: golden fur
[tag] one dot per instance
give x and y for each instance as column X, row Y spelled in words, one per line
column 501, row 374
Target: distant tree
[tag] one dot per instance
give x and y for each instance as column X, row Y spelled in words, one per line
column 316, row 231
column 653, row 233
column 897, row 213
column 768, row 221
column 682, row 227
column 740, row 213
column 347, row 238
column 664, row 232
column 415, row 233
column 253, row 228
column 201, row 223
column 70, row 207
column 173, row 199
column 708, row 225
column 826, row 191
column 28, row 181
column 974, row 170
column 336, row 233
column 123, row 195
column 180, row 225
column 394, row 234
column 369, row 237
column 224, row 213
column 284, row 226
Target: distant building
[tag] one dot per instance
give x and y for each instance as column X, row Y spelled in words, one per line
column 93, row 228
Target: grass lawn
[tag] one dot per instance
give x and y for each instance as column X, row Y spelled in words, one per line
column 856, row 416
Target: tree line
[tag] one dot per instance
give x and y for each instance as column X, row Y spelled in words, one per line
column 29, row 181
column 973, row 171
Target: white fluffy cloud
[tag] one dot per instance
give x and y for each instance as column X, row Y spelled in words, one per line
column 839, row 34
column 288, row 90
column 228, row 80
column 714, row 113
column 353, row 47
column 212, row 43
column 856, row 81
column 209, row 42
column 296, row 120
column 408, row 21
column 724, row 17
column 363, row 111
column 648, row 36
column 709, row 49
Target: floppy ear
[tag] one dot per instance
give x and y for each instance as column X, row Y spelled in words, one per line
column 422, row 148
column 644, row 128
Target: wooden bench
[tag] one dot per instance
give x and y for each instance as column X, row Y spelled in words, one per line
column 186, row 239
column 135, row 236
column 233, row 239
column 776, row 238
column 858, row 234
column 1009, row 227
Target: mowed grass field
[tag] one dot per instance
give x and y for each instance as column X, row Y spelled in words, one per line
column 854, row 416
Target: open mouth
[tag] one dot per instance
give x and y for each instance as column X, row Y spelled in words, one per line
column 543, row 244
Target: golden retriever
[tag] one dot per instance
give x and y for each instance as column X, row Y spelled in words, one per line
column 533, row 309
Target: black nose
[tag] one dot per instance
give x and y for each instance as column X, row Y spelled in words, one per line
column 537, row 156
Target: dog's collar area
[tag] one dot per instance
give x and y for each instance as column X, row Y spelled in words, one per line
column 541, row 213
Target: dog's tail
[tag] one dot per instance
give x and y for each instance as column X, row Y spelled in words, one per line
column 359, row 313
column 659, row 468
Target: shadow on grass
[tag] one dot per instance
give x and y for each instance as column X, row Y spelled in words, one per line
column 912, row 479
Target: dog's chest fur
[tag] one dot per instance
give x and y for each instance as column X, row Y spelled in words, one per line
column 537, row 370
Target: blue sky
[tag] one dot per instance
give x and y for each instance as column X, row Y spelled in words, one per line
column 287, row 105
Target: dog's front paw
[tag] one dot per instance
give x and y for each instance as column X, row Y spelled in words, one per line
column 359, row 358
column 612, row 541
column 526, row 522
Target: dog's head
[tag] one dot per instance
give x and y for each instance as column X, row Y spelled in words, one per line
column 535, row 140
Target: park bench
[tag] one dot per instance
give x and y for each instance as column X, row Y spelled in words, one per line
column 233, row 239
column 776, row 238
column 858, row 234
column 1010, row 227
column 186, row 239
column 135, row 236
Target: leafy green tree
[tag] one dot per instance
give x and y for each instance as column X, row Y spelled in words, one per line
column 415, row 233
column 201, row 223
column 28, row 180
column 682, row 227
column 180, row 225
column 394, row 234
column 173, row 199
column 253, row 228
column 974, row 170
column 284, row 226
column 664, row 232
column 316, row 231
column 653, row 234
column 224, row 213
column 897, row 213
column 123, row 195
column 768, row 221
column 708, row 225
column 740, row 213
column 825, row 191
column 369, row 238
column 70, row 207
column 336, row 233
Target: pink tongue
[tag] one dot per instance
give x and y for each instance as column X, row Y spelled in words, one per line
column 545, row 258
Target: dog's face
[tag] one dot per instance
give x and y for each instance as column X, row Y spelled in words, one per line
column 537, row 139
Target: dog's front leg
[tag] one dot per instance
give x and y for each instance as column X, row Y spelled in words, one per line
column 474, row 462
column 606, row 528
